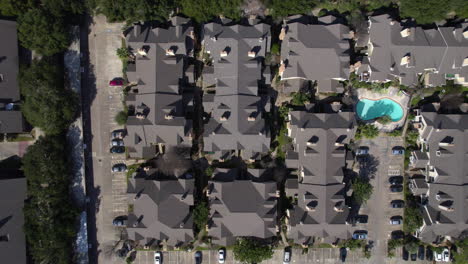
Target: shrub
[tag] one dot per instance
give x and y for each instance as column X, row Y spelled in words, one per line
column 121, row 118
column 275, row 49
column 250, row 250
column 367, row 131
column 300, row 99
column 384, row 120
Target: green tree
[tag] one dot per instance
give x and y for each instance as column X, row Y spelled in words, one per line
column 249, row 250
column 204, row 10
column 49, row 213
column 384, row 120
column 412, row 246
column 284, row 8
column 15, row 7
column 362, row 190
column 412, row 219
column 133, row 10
column 367, row 131
column 121, row 118
column 461, row 255
column 123, row 53
column 300, row 99
column 43, row 33
column 201, row 213
column 425, row 11
column 61, row 8
column 47, row 104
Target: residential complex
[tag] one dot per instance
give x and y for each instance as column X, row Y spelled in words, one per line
column 242, row 203
column 12, row 197
column 412, row 54
column 161, row 103
column 11, row 119
column 315, row 49
column 442, row 185
column 238, row 102
column 161, row 212
column 320, row 213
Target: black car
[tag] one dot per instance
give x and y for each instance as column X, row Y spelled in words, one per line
column 429, row 254
column 120, row 167
column 361, row 219
column 117, row 149
column 343, row 254
column 414, row 256
column 397, row 234
column 405, row 254
column 198, row 257
column 396, row 188
column 421, row 252
column 396, row 180
column 397, row 204
column 120, row 221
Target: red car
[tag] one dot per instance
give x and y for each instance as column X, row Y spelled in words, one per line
column 116, row 82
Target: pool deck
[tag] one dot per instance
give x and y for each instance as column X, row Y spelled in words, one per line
column 391, row 93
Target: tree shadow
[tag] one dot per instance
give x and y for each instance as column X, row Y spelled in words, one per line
column 368, row 166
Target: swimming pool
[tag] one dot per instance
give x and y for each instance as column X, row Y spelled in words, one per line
column 371, row 109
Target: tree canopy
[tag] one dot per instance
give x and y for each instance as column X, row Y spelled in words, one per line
column 424, row 11
column 284, row 8
column 47, row 104
column 461, row 255
column 367, row 131
column 48, row 211
column 15, row 7
column 134, row 10
column 204, row 10
column 43, row 33
column 200, row 215
column 249, row 250
column 362, row 190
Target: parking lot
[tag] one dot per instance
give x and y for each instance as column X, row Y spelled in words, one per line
column 316, row 255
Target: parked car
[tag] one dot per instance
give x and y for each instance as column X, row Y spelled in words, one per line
column 118, row 134
column 362, row 151
column 397, row 204
column 396, row 180
column 429, row 254
column 343, row 253
column 287, row 256
column 117, row 142
column 360, row 235
column 198, row 257
column 414, row 256
column 396, row 220
column 120, row 167
column 221, row 255
column 438, row 257
column 120, row 221
column 397, row 151
column 117, row 150
column 405, row 254
column 396, row 188
column 116, row 82
column 446, row 255
column 421, row 252
column 361, row 219
column 397, row 234
column 157, row 257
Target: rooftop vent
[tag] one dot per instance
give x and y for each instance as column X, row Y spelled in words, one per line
column 465, row 34
column 223, row 53
column 465, row 62
column 405, row 32
column 170, row 52
column 140, row 116
column 251, row 54
column 168, row 117
column 405, row 60
column 142, row 51
column 214, row 38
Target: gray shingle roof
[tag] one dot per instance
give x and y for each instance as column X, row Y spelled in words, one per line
column 237, row 108
column 443, row 50
column 243, row 203
column 160, row 97
column 11, row 121
column 446, row 136
column 319, row 156
column 12, row 196
column 316, row 50
column 163, row 207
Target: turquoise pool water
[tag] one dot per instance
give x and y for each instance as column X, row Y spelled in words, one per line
column 370, row 109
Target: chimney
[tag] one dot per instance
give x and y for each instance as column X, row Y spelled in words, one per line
column 223, row 53
column 251, row 54
column 405, row 32
column 405, row 60
column 170, row 52
column 392, row 22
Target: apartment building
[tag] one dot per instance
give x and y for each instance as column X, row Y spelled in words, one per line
column 442, row 182
column 161, row 101
column 320, row 213
column 412, row 54
column 236, row 100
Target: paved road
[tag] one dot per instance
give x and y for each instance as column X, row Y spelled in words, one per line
column 100, row 104
column 378, row 207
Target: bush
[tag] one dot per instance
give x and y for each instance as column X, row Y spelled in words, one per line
column 362, row 190
column 367, row 131
column 43, row 33
column 396, row 133
column 300, row 99
column 47, row 104
column 49, row 213
column 123, row 53
column 384, row 120
column 275, row 49
column 352, row 244
column 201, row 213
column 121, row 118
column 249, row 250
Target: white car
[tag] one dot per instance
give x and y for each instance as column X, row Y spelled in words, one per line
column 221, row 255
column 157, row 257
column 444, row 256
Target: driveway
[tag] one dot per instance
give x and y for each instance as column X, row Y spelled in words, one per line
column 378, row 206
column 100, row 105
